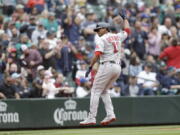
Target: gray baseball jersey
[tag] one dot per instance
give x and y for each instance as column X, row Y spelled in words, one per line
column 110, row 45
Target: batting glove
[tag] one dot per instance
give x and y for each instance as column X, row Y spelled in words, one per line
column 123, row 13
column 88, row 71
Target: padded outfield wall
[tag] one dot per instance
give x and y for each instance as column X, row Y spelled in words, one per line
column 67, row 112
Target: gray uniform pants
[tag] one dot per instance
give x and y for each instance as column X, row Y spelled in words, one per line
column 107, row 74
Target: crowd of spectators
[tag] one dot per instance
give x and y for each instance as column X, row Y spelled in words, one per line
column 46, row 46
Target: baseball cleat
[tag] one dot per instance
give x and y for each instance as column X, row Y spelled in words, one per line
column 107, row 120
column 88, row 121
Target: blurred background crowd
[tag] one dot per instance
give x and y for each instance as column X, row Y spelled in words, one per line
column 46, row 46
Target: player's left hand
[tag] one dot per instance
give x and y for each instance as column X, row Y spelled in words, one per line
column 88, row 71
column 123, row 13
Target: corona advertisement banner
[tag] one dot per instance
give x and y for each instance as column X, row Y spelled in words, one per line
column 68, row 112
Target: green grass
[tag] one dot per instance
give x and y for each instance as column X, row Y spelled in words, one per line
column 150, row 130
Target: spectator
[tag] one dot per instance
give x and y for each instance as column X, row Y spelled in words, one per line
column 32, row 58
column 176, row 87
column 81, row 70
column 8, row 7
column 49, row 89
column 132, row 88
column 161, row 72
column 72, row 27
column 115, row 91
column 14, row 36
column 39, row 4
column 67, row 56
column 24, row 40
column 38, row 33
column 8, row 89
column 154, row 39
column 50, row 56
column 110, row 14
column 82, row 12
column 153, row 61
column 11, row 68
column 5, row 40
column 21, row 85
column 87, row 28
column 11, row 26
column 2, row 66
column 85, row 52
column 164, row 41
column 50, row 23
column 165, row 28
column 174, row 31
column 51, row 38
column 1, row 24
column 83, row 89
column 145, row 21
column 139, row 39
column 147, row 80
column 20, row 16
column 167, row 81
column 135, row 66
column 12, row 56
column 64, row 89
column 172, row 54
column 38, row 81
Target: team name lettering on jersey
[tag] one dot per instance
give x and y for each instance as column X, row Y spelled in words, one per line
column 112, row 38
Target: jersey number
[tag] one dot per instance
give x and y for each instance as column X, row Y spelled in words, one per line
column 115, row 45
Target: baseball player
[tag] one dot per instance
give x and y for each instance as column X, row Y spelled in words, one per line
column 108, row 51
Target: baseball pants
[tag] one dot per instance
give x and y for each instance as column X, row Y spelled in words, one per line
column 107, row 74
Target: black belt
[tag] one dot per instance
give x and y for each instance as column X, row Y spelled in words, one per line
column 108, row 61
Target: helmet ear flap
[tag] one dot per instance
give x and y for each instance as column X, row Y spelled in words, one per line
column 108, row 29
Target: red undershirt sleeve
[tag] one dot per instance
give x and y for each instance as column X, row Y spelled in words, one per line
column 127, row 30
column 98, row 53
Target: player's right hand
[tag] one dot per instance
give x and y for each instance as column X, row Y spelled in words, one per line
column 88, row 71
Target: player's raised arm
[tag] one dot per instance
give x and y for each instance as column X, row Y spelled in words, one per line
column 125, row 21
